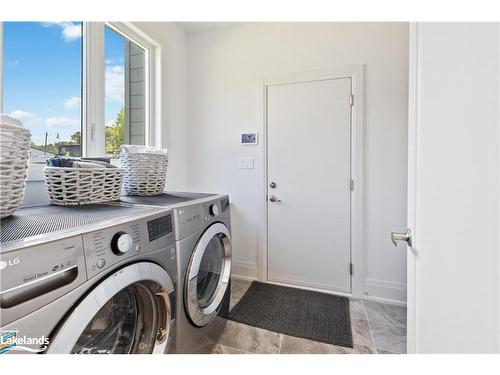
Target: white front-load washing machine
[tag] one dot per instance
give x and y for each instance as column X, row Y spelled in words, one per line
column 203, row 243
column 92, row 279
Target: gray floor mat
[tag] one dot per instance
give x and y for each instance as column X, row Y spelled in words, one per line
column 296, row 312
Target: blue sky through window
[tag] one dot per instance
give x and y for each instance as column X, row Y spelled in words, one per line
column 42, row 72
column 114, row 59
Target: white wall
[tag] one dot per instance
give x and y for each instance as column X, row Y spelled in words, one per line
column 225, row 68
column 457, row 223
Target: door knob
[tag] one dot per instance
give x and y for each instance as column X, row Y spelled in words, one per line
column 398, row 236
column 273, row 199
column 273, row 185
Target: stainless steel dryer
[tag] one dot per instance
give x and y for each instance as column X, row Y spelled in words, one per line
column 203, row 243
column 92, row 279
column 204, row 257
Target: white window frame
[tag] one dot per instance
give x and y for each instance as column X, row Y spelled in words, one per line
column 93, row 93
column 93, row 84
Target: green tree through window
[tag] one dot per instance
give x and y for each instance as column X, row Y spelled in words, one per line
column 115, row 135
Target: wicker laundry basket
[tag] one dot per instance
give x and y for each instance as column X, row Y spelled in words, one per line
column 79, row 186
column 14, row 155
column 144, row 173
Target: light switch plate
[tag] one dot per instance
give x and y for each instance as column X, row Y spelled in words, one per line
column 245, row 163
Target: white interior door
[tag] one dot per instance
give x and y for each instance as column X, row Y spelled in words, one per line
column 453, row 196
column 309, row 148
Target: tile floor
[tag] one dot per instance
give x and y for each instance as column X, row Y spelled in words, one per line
column 376, row 328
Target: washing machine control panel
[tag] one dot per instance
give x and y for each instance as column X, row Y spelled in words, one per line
column 213, row 210
column 224, row 204
column 121, row 243
column 104, row 248
column 160, row 227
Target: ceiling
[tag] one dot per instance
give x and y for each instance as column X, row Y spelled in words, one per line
column 194, row 27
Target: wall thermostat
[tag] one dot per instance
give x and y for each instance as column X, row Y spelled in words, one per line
column 248, row 139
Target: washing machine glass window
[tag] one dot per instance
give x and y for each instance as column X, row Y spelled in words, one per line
column 126, row 313
column 208, row 274
column 125, row 324
column 210, row 271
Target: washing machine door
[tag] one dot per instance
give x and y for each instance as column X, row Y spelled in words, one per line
column 129, row 312
column 208, row 274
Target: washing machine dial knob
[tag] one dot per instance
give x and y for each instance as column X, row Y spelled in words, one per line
column 121, row 243
column 214, row 210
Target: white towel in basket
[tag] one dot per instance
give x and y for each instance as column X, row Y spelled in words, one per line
column 138, row 149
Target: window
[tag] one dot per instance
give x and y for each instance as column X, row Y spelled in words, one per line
column 82, row 88
column 124, row 97
column 42, row 84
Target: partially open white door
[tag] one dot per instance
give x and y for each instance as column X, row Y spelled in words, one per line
column 453, row 196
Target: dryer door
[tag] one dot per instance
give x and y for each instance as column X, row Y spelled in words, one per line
column 129, row 312
column 208, row 274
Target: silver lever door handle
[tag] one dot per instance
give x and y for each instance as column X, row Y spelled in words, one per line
column 398, row 236
column 273, row 199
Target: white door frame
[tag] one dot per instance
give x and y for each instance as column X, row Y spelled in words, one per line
column 356, row 74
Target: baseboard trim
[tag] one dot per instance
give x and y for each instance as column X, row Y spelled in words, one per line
column 244, row 270
column 385, row 291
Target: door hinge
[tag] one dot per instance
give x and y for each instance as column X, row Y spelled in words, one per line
column 351, row 185
column 350, row 268
column 351, row 100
